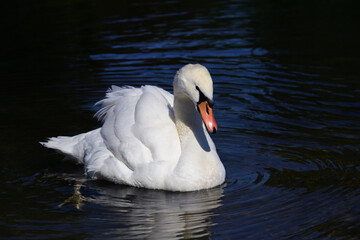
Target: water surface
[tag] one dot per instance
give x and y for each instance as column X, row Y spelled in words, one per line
column 286, row 80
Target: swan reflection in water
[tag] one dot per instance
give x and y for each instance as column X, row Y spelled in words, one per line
column 136, row 213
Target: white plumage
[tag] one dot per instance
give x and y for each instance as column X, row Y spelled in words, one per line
column 151, row 138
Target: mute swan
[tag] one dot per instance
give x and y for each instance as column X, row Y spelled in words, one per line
column 151, row 138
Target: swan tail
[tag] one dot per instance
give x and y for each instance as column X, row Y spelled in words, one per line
column 74, row 147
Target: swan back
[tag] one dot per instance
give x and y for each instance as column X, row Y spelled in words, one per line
column 139, row 125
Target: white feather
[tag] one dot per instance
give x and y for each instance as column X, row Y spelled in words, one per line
column 147, row 142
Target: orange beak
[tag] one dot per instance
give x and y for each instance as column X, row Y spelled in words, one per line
column 208, row 116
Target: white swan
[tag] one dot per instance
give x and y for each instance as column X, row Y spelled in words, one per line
column 151, row 138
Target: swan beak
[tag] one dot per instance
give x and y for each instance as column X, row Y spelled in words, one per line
column 207, row 116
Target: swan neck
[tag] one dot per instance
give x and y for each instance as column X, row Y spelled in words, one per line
column 186, row 116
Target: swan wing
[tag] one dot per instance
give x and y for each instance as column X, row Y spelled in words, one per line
column 139, row 126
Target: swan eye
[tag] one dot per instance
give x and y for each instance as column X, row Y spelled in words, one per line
column 203, row 98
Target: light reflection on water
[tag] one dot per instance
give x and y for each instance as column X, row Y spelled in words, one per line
column 156, row 214
column 288, row 116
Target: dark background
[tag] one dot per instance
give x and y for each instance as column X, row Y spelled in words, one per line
column 287, row 89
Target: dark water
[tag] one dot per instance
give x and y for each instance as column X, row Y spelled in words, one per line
column 287, row 92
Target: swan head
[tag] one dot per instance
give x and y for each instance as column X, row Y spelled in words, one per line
column 194, row 81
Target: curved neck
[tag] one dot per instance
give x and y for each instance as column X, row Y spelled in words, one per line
column 183, row 110
column 188, row 122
